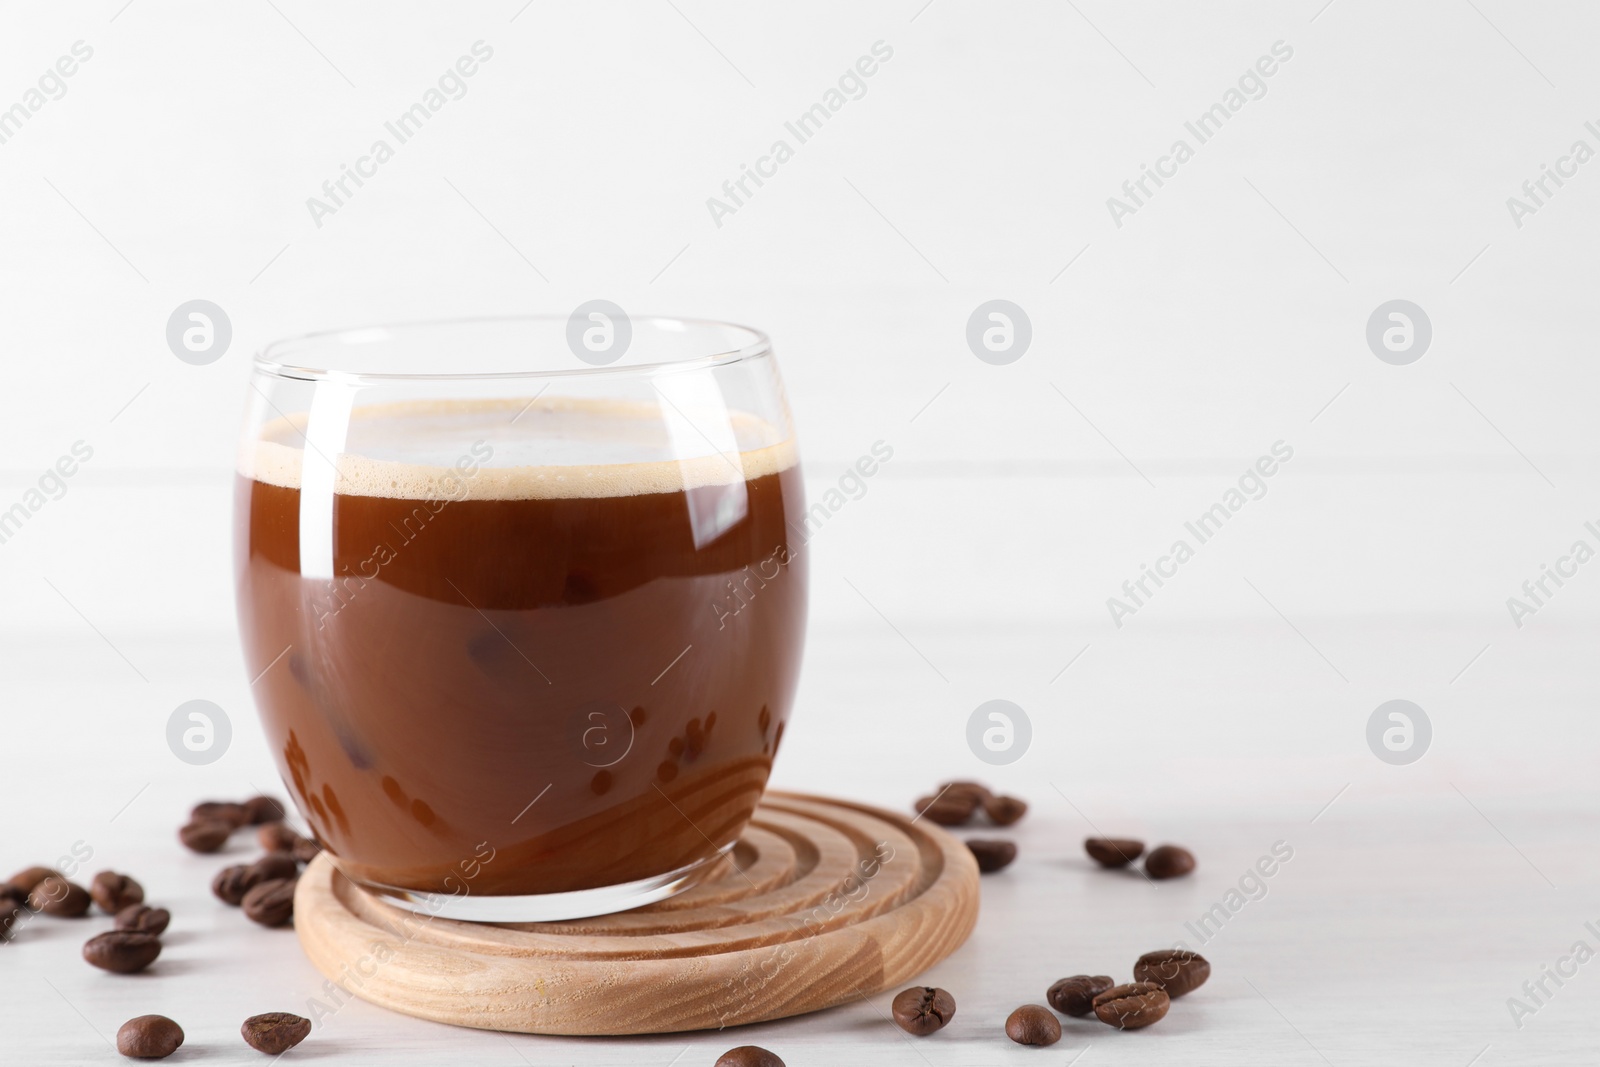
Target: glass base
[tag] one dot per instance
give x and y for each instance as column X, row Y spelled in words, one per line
column 546, row 907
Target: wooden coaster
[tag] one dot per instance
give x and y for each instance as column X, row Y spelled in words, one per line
column 821, row 902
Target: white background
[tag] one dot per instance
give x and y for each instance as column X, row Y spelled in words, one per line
column 1168, row 353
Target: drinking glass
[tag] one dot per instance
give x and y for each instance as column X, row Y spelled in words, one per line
column 524, row 602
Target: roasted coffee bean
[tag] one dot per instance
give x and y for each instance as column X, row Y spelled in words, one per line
column 29, row 877
column 207, row 835
column 992, row 854
column 221, row 810
column 1032, row 1024
column 1132, row 1006
column 921, row 1010
column 113, row 891
column 1075, row 995
column 232, row 883
column 1003, row 811
column 1113, row 851
column 277, row 837
column 275, row 865
column 1168, row 861
column 748, row 1056
column 1176, row 970
column 149, row 1037
column 275, row 1033
column 143, row 918
column 947, row 810
column 270, row 903
column 263, row 810
column 59, row 897
column 122, row 951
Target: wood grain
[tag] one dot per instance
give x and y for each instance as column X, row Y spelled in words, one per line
column 821, row 903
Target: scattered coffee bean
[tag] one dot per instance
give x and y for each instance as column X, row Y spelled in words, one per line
column 1132, row 1006
column 1003, row 811
column 29, row 877
column 270, row 903
column 122, row 951
column 227, row 811
column 232, row 883
column 277, row 837
column 275, row 1033
column 144, row 919
column 947, row 810
column 275, row 865
column 207, row 835
column 921, row 1010
column 1168, row 861
column 113, row 891
column 1032, row 1024
column 748, row 1056
column 1075, row 995
column 1113, row 851
column 57, row 896
column 149, row 1037
column 992, row 854
column 263, row 810
column 1178, row 971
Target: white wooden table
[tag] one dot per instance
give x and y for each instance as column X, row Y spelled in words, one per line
column 1414, row 905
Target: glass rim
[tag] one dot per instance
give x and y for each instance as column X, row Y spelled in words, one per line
column 269, row 360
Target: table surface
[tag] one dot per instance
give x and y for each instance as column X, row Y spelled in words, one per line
column 1410, row 910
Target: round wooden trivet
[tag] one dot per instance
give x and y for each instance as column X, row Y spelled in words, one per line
column 822, row 902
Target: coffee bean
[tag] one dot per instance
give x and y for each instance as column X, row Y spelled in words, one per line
column 226, row 811
column 232, row 883
column 263, row 810
column 992, row 854
column 275, row 865
column 1168, row 861
column 748, row 1056
column 1075, row 995
column 122, row 951
column 143, row 918
column 275, row 1033
column 207, row 835
column 57, row 896
column 113, row 891
column 947, row 810
column 1113, row 851
column 1032, row 1024
column 277, row 837
column 1132, row 1006
column 149, row 1037
column 1178, row 971
column 29, row 877
column 921, row 1010
column 271, row 903
column 1003, row 811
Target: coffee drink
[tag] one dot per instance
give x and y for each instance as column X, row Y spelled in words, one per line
column 481, row 663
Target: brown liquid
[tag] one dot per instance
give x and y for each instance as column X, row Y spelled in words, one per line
column 471, row 653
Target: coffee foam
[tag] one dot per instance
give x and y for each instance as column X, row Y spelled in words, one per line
column 548, row 448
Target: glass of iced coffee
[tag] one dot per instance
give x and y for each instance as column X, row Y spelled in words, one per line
column 525, row 618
